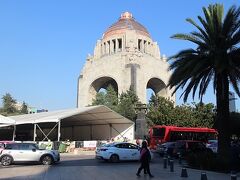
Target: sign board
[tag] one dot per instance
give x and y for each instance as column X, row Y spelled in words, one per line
column 88, row 144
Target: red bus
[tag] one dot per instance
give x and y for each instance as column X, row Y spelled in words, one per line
column 159, row 134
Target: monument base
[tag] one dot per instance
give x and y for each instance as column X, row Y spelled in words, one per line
column 141, row 129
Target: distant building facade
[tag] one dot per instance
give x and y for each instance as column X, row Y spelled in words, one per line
column 232, row 105
column 33, row 110
column 125, row 57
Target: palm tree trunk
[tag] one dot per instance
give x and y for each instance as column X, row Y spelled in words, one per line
column 223, row 123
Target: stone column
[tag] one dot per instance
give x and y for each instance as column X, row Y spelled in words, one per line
column 141, row 45
column 111, row 47
column 104, row 47
column 141, row 123
column 107, row 47
column 123, row 43
column 116, row 45
column 101, row 49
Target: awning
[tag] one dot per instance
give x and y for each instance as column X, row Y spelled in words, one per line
column 5, row 121
column 80, row 116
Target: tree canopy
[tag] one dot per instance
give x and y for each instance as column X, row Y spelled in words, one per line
column 163, row 112
column 215, row 59
column 10, row 106
column 124, row 104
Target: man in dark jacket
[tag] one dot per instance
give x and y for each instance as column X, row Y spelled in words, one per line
column 145, row 158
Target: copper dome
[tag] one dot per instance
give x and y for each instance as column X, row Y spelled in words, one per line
column 126, row 22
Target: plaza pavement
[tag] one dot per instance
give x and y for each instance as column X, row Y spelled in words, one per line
column 85, row 167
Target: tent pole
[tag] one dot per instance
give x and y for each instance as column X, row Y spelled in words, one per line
column 34, row 132
column 110, row 126
column 59, row 130
column 91, row 133
column 14, row 132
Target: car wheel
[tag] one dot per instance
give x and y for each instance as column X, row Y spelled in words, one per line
column 47, row 160
column 114, row 158
column 6, row 160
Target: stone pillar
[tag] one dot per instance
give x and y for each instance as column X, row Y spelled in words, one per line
column 123, row 43
column 141, row 124
column 107, row 47
column 116, row 45
column 111, row 47
column 104, row 48
column 101, row 49
column 142, row 45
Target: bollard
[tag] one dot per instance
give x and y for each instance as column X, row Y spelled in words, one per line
column 233, row 177
column 164, row 163
column 171, row 165
column 165, row 154
column 203, row 176
column 168, row 160
column 184, row 172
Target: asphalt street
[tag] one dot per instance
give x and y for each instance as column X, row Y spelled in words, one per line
column 86, row 167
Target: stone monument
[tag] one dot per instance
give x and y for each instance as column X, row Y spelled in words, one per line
column 125, row 56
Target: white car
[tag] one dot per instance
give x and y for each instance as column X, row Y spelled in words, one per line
column 118, row 151
column 27, row 152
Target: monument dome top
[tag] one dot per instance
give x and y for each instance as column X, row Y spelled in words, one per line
column 126, row 22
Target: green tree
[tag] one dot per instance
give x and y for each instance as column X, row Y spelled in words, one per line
column 24, row 108
column 100, row 99
column 9, row 104
column 109, row 99
column 127, row 104
column 204, row 114
column 184, row 116
column 216, row 59
column 160, row 110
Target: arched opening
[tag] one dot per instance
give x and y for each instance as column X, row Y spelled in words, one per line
column 150, row 92
column 157, row 87
column 100, row 85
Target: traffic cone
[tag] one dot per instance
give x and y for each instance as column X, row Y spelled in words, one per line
column 184, row 172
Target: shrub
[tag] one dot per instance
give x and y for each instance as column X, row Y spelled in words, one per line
column 207, row 161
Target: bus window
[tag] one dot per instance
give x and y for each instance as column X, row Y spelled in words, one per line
column 159, row 132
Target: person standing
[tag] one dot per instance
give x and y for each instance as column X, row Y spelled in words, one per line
column 145, row 158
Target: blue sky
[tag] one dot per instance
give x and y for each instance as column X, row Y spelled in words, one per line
column 44, row 44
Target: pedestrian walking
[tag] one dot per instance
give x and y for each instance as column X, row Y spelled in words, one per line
column 145, row 158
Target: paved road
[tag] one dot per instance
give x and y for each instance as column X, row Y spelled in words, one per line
column 85, row 167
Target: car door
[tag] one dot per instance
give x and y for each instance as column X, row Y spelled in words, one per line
column 13, row 150
column 134, row 152
column 28, row 152
column 121, row 151
column 127, row 151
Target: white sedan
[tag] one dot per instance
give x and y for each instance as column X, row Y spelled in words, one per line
column 118, row 151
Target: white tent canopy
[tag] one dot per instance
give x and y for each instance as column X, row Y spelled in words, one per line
column 6, row 120
column 82, row 116
column 91, row 122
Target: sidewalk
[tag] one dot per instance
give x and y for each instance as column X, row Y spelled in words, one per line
column 193, row 174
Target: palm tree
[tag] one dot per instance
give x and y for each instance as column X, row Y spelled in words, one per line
column 215, row 59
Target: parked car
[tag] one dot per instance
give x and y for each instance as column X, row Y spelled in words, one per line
column 211, row 141
column 165, row 148
column 213, row 146
column 27, row 152
column 118, row 151
column 184, row 147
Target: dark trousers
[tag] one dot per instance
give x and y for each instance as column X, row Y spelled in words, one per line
column 145, row 166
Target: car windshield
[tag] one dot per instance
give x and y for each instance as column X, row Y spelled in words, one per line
column 108, row 145
column 36, row 146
